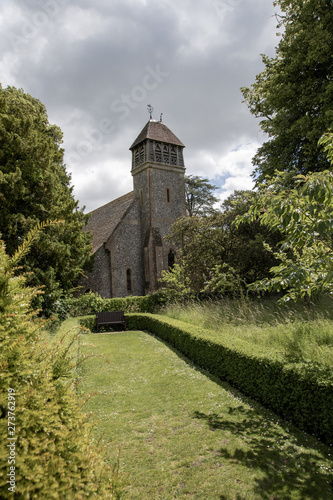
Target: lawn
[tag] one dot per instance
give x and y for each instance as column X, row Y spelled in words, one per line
column 184, row 434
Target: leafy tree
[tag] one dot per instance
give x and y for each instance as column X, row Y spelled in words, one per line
column 216, row 256
column 54, row 453
column 293, row 95
column 199, row 196
column 35, row 187
column 303, row 214
column 176, row 285
column 248, row 254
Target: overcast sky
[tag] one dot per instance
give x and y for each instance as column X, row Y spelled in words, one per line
column 97, row 64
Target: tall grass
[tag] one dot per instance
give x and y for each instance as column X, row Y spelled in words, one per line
column 302, row 331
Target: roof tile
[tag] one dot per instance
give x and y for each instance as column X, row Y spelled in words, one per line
column 157, row 131
column 104, row 219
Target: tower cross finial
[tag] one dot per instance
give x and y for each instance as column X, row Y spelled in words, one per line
column 150, row 111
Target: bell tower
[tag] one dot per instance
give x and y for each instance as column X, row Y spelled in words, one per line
column 158, row 172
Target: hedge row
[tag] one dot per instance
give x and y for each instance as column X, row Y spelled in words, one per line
column 91, row 303
column 299, row 392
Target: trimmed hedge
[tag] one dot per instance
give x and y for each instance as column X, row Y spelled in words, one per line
column 91, row 303
column 88, row 322
column 299, row 392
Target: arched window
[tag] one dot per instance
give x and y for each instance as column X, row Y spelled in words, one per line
column 129, row 280
column 171, row 259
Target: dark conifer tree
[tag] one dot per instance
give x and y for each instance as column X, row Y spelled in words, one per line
column 35, row 187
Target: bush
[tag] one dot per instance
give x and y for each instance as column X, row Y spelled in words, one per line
column 91, row 303
column 54, row 454
column 299, row 392
column 88, row 322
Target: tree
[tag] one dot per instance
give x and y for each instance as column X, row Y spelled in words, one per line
column 47, row 447
column 248, row 254
column 199, row 196
column 35, row 187
column 216, row 256
column 293, row 95
column 303, row 214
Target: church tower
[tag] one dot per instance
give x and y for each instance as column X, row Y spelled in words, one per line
column 159, row 188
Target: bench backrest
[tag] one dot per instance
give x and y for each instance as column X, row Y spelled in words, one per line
column 110, row 316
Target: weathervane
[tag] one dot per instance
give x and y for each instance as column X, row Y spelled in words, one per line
column 150, row 111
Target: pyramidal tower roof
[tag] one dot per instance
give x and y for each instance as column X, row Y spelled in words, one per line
column 157, row 131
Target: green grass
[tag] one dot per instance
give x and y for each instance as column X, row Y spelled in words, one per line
column 302, row 332
column 186, row 435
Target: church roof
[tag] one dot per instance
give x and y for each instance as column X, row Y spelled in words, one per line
column 157, row 131
column 104, row 219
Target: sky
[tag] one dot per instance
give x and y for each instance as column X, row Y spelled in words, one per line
column 98, row 64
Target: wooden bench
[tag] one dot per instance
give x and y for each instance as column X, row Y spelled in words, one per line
column 110, row 318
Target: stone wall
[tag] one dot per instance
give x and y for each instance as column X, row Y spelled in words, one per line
column 160, row 192
column 99, row 280
column 125, row 246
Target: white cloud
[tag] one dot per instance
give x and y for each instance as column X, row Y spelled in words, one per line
column 238, row 161
column 234, row 183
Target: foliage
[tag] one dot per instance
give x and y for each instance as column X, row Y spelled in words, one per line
column 56, row 455
column 91, row 302
column 199, row 196
column 35, row 187
column 327, row 142
column 247, row 253
column 300, row 392
column 293, row 95
column 175, row 284
column 302, row 331
column 224, row 280
column 218, row 257
column 304, row 215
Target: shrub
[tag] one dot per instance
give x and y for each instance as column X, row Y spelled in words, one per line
column 299, row 392
column 91, row 303
column 54, row 454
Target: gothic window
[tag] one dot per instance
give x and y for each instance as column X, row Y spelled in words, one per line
column 168, row 195
column 129, row 280
column 173, row 156
column 166, row 158
column 158, row 153
column 171, row 259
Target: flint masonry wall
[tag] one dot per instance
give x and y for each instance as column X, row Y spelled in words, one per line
column 125, row 247
column 99, row 279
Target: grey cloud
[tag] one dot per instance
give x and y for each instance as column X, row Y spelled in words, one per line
column 91, row 63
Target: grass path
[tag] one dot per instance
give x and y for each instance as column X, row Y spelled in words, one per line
column 186, row 435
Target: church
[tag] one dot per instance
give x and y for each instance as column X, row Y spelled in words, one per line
column 129, row 245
